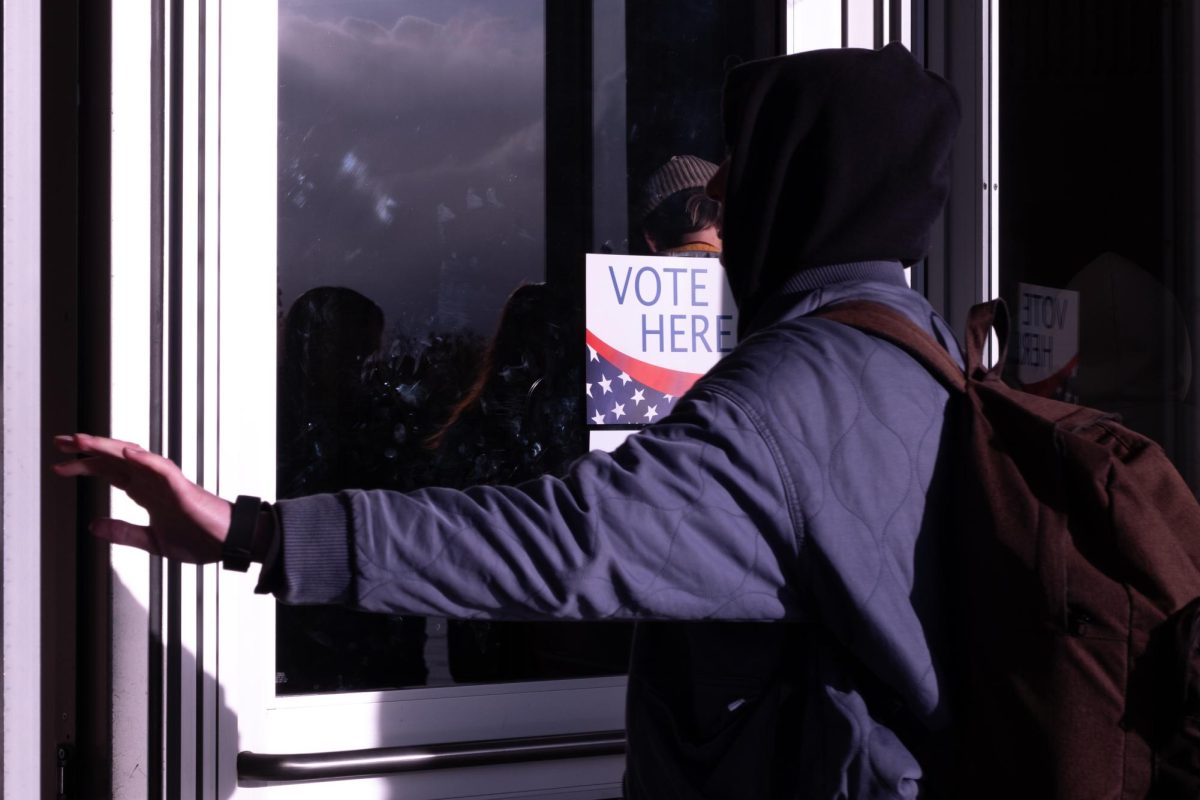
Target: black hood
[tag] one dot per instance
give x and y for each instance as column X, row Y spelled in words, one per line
column 836, row 156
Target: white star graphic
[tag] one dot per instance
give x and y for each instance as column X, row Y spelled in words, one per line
column 587, row 387
column 592, row 354
column 624, row 376
column 668, row 398
column 618, row 410
column 638, row 397
column 651, row 412
column 598, row 419
column 605, row 384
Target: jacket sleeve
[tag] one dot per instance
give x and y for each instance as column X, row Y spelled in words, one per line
column 688, row 519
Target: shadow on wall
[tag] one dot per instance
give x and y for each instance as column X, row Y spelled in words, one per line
column 131, row 711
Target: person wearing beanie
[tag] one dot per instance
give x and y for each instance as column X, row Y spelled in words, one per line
column 788, row 505
column 675, row 214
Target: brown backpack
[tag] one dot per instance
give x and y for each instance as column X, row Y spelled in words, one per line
column 1074, row 592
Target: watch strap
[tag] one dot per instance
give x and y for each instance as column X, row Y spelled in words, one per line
column 235, row 552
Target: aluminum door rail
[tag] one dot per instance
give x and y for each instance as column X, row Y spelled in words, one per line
column 298, row 767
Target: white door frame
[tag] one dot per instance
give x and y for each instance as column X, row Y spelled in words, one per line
column 21, row 410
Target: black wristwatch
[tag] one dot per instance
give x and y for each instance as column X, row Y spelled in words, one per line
column 235, row 552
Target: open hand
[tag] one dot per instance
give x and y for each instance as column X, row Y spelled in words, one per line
column 187, row 522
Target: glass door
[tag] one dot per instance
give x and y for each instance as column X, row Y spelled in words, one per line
column 412, row 160
column 408, row 192
column 1097, row 198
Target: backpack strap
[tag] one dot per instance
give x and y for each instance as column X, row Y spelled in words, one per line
column 886, row 323
column 982, row 318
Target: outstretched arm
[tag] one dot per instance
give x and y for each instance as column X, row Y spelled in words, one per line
column 688, row 520
column 187, row 522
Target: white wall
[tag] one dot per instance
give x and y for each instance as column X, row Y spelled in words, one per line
column 20, row 409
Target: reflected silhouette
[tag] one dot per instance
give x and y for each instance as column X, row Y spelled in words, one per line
column 444, row 410
column 1135, row 354
column 520, row 419
column 342, row 425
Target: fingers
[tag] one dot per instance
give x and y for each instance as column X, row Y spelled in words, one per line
column 108, row 469
column 121, row 532
column 87, row 444
column 113, row 460
column 66, row 443
column 104, row 447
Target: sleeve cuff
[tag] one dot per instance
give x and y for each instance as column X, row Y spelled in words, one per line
column 270, row 578
column 309, row 559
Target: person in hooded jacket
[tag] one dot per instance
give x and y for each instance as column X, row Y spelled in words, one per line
column 796, row 486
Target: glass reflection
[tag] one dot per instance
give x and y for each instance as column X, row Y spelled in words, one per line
column 411, row 202
column 411, row 155
column 413, row 198
column 1096, row 213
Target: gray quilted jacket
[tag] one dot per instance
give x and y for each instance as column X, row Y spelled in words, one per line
column 792, row 483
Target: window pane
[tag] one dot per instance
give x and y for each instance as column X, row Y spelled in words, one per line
column 414, row 189
column 411, row 203
column 1097, row 196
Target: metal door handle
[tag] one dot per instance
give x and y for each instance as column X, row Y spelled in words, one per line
column 295, row 767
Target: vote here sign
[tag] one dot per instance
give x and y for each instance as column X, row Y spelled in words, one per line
column 655, row 324
column 1047, row 340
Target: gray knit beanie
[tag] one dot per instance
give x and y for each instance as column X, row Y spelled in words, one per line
column 681, row 172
